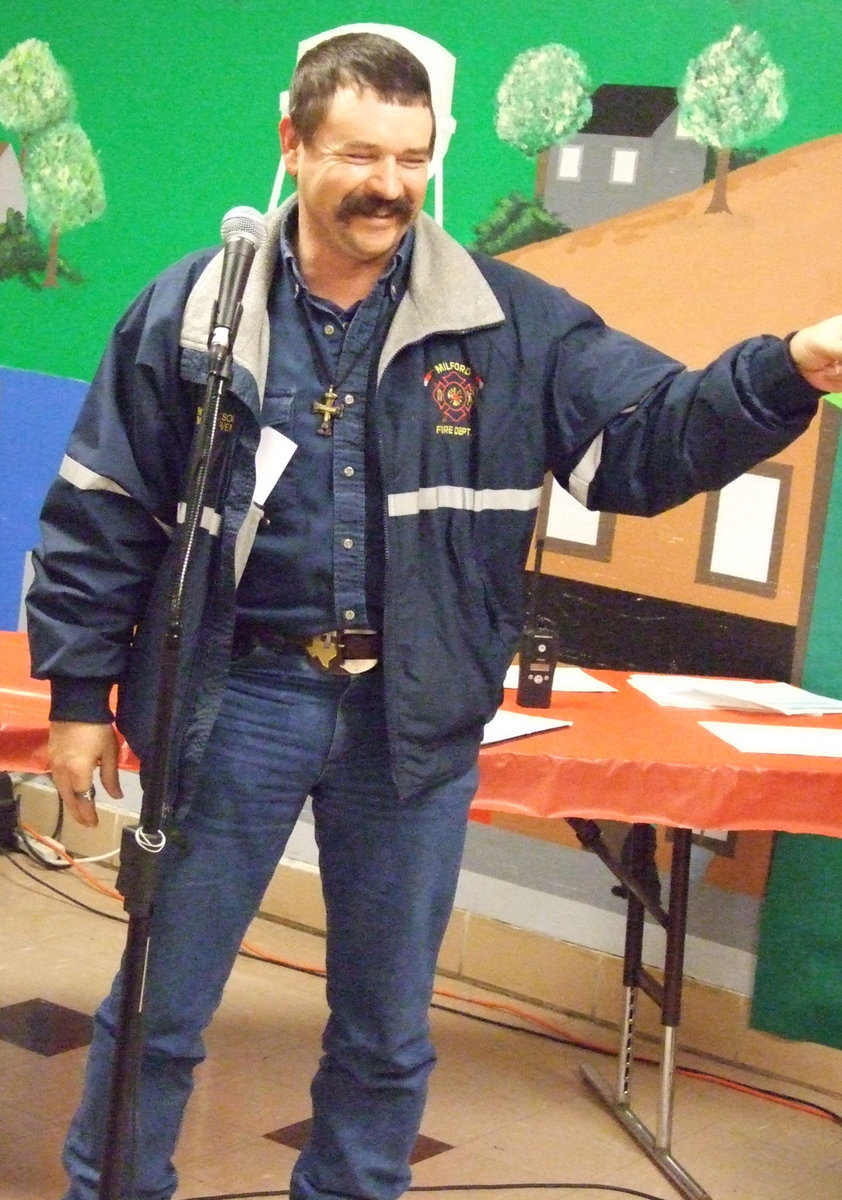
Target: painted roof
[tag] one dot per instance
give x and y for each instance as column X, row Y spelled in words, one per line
column 630, row 109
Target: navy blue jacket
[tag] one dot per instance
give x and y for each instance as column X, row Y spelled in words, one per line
column 488, row 379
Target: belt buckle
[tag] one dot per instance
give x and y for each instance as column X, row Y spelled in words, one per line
column 324, row 650
column 327, row 651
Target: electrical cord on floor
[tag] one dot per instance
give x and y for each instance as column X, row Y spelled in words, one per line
column 249, row 951
column 810, row 1107
column 97, row 912
column 467, row 1187
column 551, row 1032
column 546, row 1029
column 26, row 840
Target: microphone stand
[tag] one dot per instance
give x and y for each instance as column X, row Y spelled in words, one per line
column 141, row 844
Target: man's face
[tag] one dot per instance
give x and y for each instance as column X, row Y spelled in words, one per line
column 363, row 177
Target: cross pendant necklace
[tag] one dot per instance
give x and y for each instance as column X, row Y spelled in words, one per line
column 328, row 410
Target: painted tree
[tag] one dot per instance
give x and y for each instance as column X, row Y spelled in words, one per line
column 64, row 184
column 543, row 98
column 35, row 92
column 733, row 92
column 516, row 221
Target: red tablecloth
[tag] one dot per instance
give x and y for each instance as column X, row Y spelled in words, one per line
column 623, row 757
column 626, row 758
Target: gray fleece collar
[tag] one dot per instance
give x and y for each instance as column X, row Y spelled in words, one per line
column 446, row 293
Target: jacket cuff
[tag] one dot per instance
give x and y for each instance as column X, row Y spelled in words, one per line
column 81, row 700
column 776, row 378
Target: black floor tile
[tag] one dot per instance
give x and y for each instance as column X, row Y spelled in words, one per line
column 44, row 1027
column 427, row 1147
column 296, row 1135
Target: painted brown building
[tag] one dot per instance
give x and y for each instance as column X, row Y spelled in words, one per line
column 724, row 583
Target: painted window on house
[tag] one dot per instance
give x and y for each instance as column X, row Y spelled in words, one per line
column 624, row 166
column 570, row 162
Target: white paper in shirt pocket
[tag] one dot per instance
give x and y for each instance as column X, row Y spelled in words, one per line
column 272, row 458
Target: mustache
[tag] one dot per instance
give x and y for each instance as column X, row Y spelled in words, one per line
column 375, row 206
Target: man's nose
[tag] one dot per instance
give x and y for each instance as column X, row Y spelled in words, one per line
column 386, row 178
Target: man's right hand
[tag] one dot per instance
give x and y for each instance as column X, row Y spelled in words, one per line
column 76, row 748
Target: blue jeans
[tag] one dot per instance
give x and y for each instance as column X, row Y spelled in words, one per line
column 389, row 870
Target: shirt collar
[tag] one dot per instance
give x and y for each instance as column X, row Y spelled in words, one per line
column 393, row 280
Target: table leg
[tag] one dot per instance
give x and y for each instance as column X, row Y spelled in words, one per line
column 667, row 995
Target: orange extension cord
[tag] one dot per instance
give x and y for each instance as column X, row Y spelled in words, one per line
column 556, row 1031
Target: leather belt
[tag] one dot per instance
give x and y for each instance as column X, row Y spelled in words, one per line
column 339, row 651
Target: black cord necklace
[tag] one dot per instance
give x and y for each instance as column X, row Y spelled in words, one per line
column 329, row 408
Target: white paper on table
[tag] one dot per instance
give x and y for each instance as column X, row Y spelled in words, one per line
column 770, row 697
column 274, row 451
column 565, row 679
column 506, row 725
column 677, row 691
column 778, row 739
column 740, row 695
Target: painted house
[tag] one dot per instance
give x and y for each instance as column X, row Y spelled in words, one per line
column 631, row 153
column 12, row 194
column 724, row 583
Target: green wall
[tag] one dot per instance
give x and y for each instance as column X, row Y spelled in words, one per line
column 181, row 103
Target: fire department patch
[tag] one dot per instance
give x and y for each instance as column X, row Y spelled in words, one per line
column 454, row 388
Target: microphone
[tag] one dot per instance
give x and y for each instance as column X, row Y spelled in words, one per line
column 243, row 232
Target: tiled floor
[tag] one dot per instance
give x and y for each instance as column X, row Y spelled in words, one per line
column 506, row 1108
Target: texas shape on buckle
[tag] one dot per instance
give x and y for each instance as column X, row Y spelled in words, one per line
column 324, row 649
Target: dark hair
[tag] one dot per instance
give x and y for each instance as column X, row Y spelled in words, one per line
column 360, row 61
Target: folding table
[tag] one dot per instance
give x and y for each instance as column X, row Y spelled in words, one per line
column 626, row 758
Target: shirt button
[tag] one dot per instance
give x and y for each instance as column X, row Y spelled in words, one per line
column 347, row 472
column 330, row 330
column 348, row 399
column 348, row 543
column 349, row 614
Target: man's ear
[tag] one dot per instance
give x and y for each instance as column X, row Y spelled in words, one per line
column 290, row 143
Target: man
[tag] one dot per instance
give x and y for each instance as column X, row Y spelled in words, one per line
column 428, row 391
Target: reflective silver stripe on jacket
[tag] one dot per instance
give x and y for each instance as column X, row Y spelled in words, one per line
column 86, row 480
column 210, row 520
column 409, row 504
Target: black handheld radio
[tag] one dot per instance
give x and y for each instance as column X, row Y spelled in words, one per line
column 538, row 649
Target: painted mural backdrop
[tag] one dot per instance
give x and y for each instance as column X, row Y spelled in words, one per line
column 182, row 117
column 126, row 132
column 57, row 186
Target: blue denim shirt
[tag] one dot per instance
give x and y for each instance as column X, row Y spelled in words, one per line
column 317, row 562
